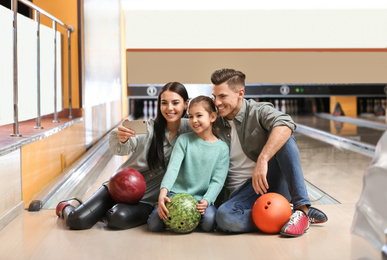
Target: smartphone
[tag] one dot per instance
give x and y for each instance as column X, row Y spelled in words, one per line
column 139, row 126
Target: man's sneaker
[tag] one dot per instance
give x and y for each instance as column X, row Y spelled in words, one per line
column 70, row 202
column 297, row 225
column 316, row 216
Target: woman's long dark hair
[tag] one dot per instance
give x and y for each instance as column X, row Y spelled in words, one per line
column 155, row 156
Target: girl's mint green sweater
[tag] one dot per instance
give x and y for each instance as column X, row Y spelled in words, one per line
column 197, row 167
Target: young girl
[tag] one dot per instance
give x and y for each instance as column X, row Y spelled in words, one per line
column 198, row 166
column 149, row 154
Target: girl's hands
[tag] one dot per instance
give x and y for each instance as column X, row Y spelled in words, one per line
column 202, row 206
column 124, row 133
column 163, row 211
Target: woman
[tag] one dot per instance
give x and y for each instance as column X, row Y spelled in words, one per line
column 149, row 154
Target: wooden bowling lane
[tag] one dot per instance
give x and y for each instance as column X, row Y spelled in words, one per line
column 334, row 170
column 360, row 130
column 336, row 162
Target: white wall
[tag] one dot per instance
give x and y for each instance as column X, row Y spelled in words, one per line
column 240, row 24
column 102, row 65
column 6, row 69
column 27, row 68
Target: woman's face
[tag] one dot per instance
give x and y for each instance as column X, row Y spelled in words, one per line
column 172, row 106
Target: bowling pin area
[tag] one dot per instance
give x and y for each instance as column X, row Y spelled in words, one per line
column 335, row 153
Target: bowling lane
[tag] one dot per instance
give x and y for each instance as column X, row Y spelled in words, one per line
column 336, row 153
column 332, row 170
column 359, row 130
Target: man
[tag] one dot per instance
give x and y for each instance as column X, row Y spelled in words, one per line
column 263, row 157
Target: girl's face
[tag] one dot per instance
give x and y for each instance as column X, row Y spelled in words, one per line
column 172, row 106
column 199, row 119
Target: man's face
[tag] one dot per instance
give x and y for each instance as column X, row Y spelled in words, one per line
column 226, row 100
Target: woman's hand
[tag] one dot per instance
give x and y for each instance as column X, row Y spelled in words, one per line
column 124, row 133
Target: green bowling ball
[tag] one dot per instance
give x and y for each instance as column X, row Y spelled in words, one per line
column 183, row 214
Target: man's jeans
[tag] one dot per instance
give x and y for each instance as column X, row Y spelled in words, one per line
column 284, row 177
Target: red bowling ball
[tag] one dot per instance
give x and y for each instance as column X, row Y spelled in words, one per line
column 127, row 185
column 270, row 212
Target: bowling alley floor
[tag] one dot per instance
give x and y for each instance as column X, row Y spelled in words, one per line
column 330, row 169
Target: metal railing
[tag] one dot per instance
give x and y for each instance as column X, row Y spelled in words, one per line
column 38, row 11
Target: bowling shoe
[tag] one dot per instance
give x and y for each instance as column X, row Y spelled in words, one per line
column 297, row 225
column 64, row 203
column 316, row 216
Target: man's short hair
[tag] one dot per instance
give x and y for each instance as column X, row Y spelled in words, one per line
column 234, row 79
